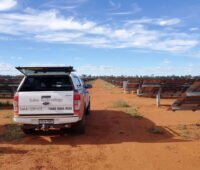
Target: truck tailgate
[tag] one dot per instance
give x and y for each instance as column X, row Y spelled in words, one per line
column 46, row 102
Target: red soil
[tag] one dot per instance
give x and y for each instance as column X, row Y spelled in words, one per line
column 113, row 139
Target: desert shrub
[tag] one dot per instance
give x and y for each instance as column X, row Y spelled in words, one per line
column 120, row 103
column 181, row 127
column 7, row 103
column 134, row 112
column 12, row 132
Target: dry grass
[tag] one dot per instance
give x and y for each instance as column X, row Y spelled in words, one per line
column 120, row 103
column 12, row 132
column 190, row 131
column 134, row 112
column 5, row 104
column 8, row 116
column 108, row 86
column 182, row 127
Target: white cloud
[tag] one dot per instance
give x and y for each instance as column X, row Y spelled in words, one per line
column 195, row 54
column 43, row 21
column 175, row 45
column 160, row 70
column 114, row 5
column 135, row 8
column 140, row 21
column 194, row 29
column 96, row 70
column 121, row 13
column 78, row 58
column 164, row 69
column 169, row 22
column 51, row 26
column 58, row 37
column 7, row 69
column 68, row 5
column 15, row 58
column 166, row 61
column 7, row 4
column 155, row 21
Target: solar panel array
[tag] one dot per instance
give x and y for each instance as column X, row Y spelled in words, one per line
column 190, row 100
column 149, row 87
column 169, row 88
column 8, row 86
column 186, row 89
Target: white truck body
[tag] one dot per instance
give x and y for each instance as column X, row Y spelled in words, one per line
column 36, row 104
column 47, row 102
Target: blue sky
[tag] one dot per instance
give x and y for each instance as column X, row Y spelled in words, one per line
column 102, row 37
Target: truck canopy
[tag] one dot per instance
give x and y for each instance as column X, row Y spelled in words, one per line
column 34, row 71
column 47, row 83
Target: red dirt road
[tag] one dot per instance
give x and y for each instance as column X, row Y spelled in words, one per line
column 113, row 139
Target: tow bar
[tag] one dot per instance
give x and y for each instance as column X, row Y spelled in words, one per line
column 44, row 127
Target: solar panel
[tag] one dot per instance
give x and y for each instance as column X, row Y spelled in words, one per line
column 8, row 86
column 170, row 87
column 190, row 100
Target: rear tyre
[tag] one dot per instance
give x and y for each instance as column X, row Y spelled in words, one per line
column 28, row 131
column 79, row 127
column 88, row 109
column 63, row 131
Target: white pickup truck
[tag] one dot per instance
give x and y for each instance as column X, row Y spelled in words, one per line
column 51, row 97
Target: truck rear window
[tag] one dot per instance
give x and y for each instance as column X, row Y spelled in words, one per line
column 47, row 83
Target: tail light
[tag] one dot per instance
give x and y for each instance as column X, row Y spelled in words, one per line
column 77, row 103
column 15, row 105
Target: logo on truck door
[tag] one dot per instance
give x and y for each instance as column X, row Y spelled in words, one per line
column 51, row 99
column 45, row 100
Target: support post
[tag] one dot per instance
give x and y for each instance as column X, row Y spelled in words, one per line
column 158, row 98
column 138, row 91
column 125, row 83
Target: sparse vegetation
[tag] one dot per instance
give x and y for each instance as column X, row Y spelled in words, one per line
column 90, row 82
column 181, row 127
column 12, row 132
column 5, row 104
column 156, row 130
column 187, row 135
column 108, row 86
column 115, row 92
column 134, row 112
column 188, row 131
column 7, row 116
column 120, row 103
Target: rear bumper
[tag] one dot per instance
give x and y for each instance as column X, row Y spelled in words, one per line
column 34, row 120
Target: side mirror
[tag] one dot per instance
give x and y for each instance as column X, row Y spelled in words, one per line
column 88, row 86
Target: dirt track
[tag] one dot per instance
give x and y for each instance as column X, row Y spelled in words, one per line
column 113, row 139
